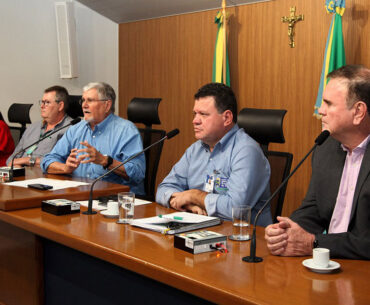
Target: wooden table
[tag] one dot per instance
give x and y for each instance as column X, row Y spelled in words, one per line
column 16, row 197
column 143, row 256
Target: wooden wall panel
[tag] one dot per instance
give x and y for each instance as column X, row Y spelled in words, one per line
column 172, row 57
column 21, row 265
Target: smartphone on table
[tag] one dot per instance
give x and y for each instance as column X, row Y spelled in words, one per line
column 40, row 186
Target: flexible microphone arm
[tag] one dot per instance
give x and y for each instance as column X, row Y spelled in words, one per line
column 90, row 211
column 252, row 258
column 47, row 135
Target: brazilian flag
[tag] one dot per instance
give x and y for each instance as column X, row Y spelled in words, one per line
column 220, row 70
column 334, row 51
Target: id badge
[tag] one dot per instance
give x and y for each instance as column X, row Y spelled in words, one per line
column 210, row 182
column 31, row 149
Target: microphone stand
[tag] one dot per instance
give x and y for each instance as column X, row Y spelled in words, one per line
column 252, row 258
column 73, row 122
column 90, row 204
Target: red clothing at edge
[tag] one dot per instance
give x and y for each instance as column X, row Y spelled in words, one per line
column 6, row 143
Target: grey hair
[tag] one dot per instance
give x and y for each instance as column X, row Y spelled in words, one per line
column 357, row 80
column 105, row 92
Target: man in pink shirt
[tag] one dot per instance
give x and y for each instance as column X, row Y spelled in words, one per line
column 335, row 213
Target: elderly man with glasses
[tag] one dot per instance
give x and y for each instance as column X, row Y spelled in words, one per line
column 99, row 143
column 53, row 106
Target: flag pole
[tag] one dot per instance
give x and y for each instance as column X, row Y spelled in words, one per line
column 224, row 46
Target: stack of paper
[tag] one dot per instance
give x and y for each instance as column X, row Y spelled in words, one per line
column 176, row 222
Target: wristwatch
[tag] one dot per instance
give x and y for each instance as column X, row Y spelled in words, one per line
column 32, row 161
column 109, row 163
column 315, row 243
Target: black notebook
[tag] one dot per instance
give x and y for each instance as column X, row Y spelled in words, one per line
column 176, row 222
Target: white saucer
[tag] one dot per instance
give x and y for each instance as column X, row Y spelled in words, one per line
column 108, row 215
column 310, row 265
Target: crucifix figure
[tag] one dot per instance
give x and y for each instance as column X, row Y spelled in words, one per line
column 291, row 20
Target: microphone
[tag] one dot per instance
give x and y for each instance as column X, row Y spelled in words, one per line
column 252, row 258
column 168, row 136
column 46, row 135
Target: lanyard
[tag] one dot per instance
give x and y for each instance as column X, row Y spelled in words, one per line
column 34, row 147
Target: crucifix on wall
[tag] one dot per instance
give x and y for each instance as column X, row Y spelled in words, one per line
column 291, row 20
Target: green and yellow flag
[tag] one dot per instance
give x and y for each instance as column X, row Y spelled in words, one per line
column 334, row 51
column 221, row 73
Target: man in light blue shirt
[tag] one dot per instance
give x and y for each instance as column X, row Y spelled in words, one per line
column 99, row 143
column 224, row 168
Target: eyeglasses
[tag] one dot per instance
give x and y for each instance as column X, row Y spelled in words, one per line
column 46, row 103
column 90, row 101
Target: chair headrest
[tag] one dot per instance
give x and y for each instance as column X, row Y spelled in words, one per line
column 263, row 125
column 19, row 113
column 144, row 110
column 74, row 109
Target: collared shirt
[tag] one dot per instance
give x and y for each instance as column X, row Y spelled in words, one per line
column 343, row 206
column 33, row 133
column 235, row 173
column 115, row 137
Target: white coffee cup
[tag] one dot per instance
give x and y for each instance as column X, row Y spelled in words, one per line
column 321, row 257
column 112, row 208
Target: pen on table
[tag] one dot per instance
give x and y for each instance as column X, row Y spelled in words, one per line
column 171, row 217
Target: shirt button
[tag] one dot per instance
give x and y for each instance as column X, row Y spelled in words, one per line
column 93, row 136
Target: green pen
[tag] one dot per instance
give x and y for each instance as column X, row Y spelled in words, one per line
column 171, row 217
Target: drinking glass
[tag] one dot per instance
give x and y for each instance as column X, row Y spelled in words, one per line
column 241, row 223
column 126, row 203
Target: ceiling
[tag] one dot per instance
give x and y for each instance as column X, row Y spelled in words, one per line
column 122, row 11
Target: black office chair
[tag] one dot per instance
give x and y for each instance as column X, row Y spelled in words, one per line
column 74, row 109
column 19, row 113
column 266, row 126
column 145, row 111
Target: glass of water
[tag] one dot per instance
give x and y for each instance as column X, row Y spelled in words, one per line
column 126, row 203
column 241, row 223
